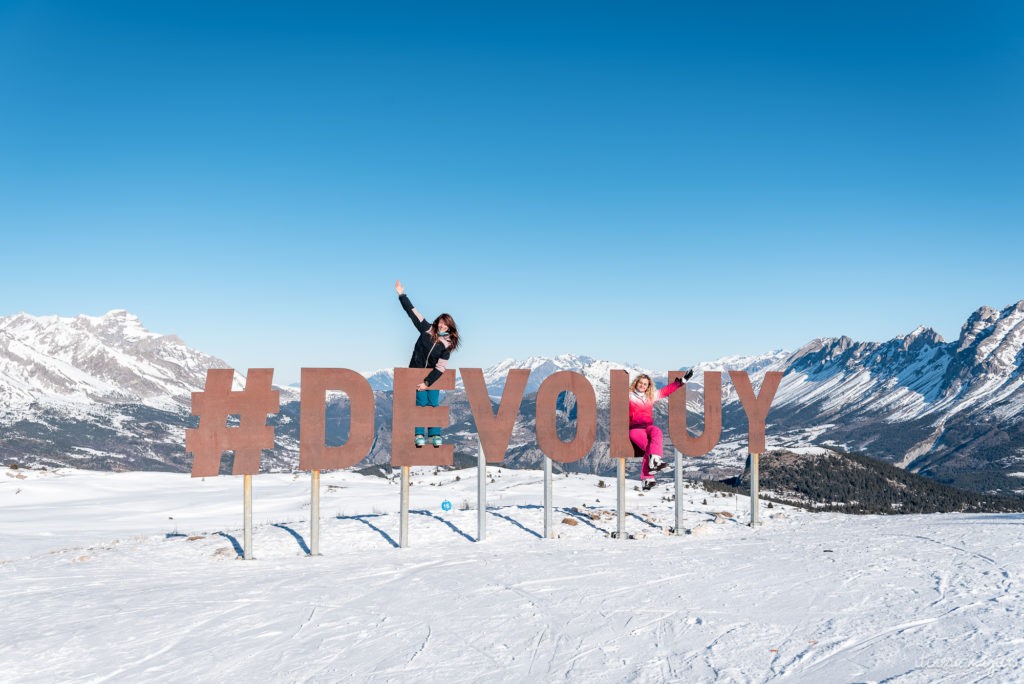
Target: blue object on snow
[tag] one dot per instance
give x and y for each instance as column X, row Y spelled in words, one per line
column 446, row 505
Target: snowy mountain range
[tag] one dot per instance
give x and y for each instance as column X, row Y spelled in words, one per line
column 104, row 392
column 951, row 410
column 540, row 367
column 84, row 361
column 97, row 391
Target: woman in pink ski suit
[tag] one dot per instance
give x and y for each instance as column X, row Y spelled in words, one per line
column 644, row 434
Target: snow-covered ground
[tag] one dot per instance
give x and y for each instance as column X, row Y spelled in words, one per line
column 134, row 577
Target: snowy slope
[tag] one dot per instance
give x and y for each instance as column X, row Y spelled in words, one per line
column 100, row 584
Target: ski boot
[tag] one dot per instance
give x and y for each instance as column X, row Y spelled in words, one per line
column 436, row 441
column 420, row 441
column 648, row 485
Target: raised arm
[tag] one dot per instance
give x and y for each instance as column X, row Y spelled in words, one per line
column 673, row 386
column 668, row 389
column 415, row 316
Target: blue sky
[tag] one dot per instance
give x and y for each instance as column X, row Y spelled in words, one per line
column 658, row 183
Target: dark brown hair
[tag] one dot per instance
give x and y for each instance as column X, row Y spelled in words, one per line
column 453, row 331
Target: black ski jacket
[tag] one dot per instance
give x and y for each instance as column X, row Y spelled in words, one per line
column 429, row 352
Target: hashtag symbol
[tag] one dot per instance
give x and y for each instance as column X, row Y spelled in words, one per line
column 214, row 436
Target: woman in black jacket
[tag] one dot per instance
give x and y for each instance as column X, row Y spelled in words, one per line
column 433, row 348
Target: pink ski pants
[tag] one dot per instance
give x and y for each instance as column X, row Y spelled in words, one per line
column 647, row 439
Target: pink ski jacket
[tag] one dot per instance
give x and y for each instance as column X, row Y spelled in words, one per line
column 641, row 411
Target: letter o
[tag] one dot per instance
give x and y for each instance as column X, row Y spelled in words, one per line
column 586, row 417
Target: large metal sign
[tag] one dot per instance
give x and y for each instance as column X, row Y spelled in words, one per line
column 219, row 402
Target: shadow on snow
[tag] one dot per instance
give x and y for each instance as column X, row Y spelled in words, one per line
column 363, row 519
column 298, row 537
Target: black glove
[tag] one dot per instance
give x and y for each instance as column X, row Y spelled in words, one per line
column 689, row 374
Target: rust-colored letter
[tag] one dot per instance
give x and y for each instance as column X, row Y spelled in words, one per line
column 406, row 416
column 314, row 454
column 756, row 407
column 677, row 430
column 619, row 444
column 249, row 438
column 586, row 416
column 494, row 431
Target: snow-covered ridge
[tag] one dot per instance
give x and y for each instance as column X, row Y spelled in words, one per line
column 914, row 375
column 88, row 360
column 596, row 371
column 540, row 367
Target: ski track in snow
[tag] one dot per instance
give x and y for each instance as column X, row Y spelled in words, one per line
column 102, row 583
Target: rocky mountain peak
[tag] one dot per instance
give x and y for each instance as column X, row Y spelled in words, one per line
column 978, row 326
column 992, row 340
column 920, row 338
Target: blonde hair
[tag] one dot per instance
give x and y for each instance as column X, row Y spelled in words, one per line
column 650, row 386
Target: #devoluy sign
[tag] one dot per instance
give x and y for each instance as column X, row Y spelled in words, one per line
column 218, row 401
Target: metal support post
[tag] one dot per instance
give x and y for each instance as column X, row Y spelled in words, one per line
column 621, row 503
column 481, row 494
column 680, row 494
column 755, row 513
column 548, row 532
column 247, row 512
column 403, row 532
column 314, row 515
